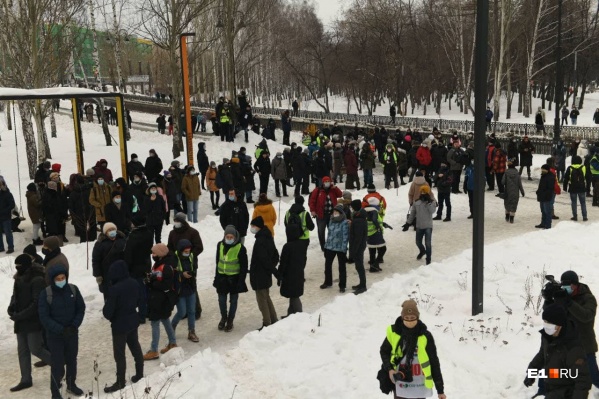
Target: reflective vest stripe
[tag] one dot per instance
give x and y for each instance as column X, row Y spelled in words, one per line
column 302, row 215
column 396, row 355
column 594, row 171
column 179, row 267
column 372, row 229
column 228, row 263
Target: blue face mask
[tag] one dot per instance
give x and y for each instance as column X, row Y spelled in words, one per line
column 231, row 198
column 60, row 284
column 117, row 200
column 112, row 234
column 567, row 288
column 185, row 254
column 229, row 242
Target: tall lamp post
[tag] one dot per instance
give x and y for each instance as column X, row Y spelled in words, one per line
column 559, row 77
column 186, row 94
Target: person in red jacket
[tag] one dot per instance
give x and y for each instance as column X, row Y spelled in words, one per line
column 424, row 157
column 350, row 161
column 498, row 166
column 322, row 201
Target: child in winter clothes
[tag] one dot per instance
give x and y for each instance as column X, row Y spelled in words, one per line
column 375, row 241
column 291, row 269
column 336, row 246
column 444, row 183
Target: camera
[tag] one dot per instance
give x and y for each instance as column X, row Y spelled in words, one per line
column 404, row 373
column 550, row 288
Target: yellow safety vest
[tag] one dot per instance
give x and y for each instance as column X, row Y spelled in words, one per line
column 594, row 171
column 179, row 267
column 372, row 227
column 224, row 118
column 396, row 355
column 228, row 264
column 302, row 216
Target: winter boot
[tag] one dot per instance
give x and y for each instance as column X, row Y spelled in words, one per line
column 374, row 267
column 361, row 289
column 507, row 217
column 151, row 355
column 428, row 261
column 136, row 378
column 420, row 255
column 438, row 217
column 229, row 326
column 117, row 386
column 167, row 348
column 447, row 219
column 74, row 389
column 511, row 219
column 222, row 322
column 192, row 336
column 20, row 386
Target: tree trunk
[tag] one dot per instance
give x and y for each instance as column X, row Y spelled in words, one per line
column 52, row 123
column 582, row 93
column 43, row 149
column 8, row 116
column 509, row 93
column 117, row 48
column 530, row 61
column 29, row 136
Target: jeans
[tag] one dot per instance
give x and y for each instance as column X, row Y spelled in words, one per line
column 573, row 121
column 592, row 362
column 444, row 199
column 583, row 204
column 186, row 306
column 119, row 341
column 367, row 176
column 427, row 234
column 30, row 344
column 156, row 333
column 329, row 257
column 546, row 214
column 321, row 225
column 63, row 352
column 222, row 304
column 269, row 314
column 6, row 228
column 192, row 211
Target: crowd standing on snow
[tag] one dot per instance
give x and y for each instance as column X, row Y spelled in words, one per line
column 143, row 279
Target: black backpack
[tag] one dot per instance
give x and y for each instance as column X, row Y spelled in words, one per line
column 577, row 178
column 460, row 156
column 294, row 221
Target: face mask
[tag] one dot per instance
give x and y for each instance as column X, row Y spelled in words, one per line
column 155, row 258
column 229, row 242
column 117, row 200
column 231, row 198
column 134, row 159
column 112, row 234
column 327, row 185
column 136, row 181
column 100, row 182
column 186, row 254
column 253, row 230
column 152, row 191
column 46, row 251
column 192, row 172
column 389, row 150
column 177, row 225
column 60, row 284
column 549, row 328
column 336, row 214
column 567, row 288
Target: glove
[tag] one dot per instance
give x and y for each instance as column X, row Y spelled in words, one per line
column 561, row 297
column 69, row 331
column 99, row 280
column 405, row 227
column 528, row 382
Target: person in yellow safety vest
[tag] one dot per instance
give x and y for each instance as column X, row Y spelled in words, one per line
column 229, row 279
column 185, row 284
column 225, row 124
column 306, row 139
column 300, row 216
column 410, row 363
column 312, row 129
column 594, row 166
column 377, row 247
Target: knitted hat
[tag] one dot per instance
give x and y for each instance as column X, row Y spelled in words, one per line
column 347, row 195
column 373, row 201
column 326, row 179
column 151, row 185
column 115, row 193
column 52, row 185
column 338, row 208
column 225, row 160
column 425, row 189
column 31, row 187
column 371, row 188
column 258, row 222
column 56, row 167
column 175, row 163
column 356, row 205
column 90, row 172
column 30, row 250
column 409, row 308
column 183, row 244
column 230, row 229
column 160, row 250
column 569, row 277
column 299, row 200
column 107, row 227
column 407, row 139
column 180, row 217
column 52, row 243
column 23, row 260
column 133, row 156
column 555, row 314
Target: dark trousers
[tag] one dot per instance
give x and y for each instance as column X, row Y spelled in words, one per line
column 455, row 185
column 391, row 177
column 203, row 180
column 298, row 187
column 444, row 199
column 264, row 183
column 212, row 195
column 143, row 302
column 157, row 231
column 592, row 362
column 306, row 185
column 321, row 225
column 527, row 170
column 119, row 341
column 277, row 189
column 30, row 344
column 498, row 178
column 295, row 306
column 372, row 252
column 286, row 137
column 596, row 191
column 352, row 181
column 490, row 178
column 359, row 264
column 470, row 201
column 63, row 352
column 564, row 120
column 329, row 257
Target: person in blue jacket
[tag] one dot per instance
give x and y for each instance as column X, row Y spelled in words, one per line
column 336, row 246
column 61, row 309
column 121, row 309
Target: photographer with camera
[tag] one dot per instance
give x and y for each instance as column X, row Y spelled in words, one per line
column 581, row 307
column 410, row 363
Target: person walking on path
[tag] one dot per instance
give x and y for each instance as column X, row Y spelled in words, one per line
column 187, row 268
column 336, row 247
column 513, row 188
column 545, row 193
column 422, row 212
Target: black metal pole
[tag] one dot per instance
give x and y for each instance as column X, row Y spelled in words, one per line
column 481, row 67
column 559, row 77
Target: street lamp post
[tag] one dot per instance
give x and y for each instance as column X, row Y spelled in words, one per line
column 186, row 94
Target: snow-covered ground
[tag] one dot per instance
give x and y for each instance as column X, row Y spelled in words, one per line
column 297, row 358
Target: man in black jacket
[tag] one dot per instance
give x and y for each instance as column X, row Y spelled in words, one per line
column 358, row 233
column 29, row 282
column 234, row 212
column 561, row 349
column 262, row 166
column 265, row 258
column 136, row 254
column 203, row 163
column 544, row 196
column 120, row 308
column 576, row 181
column 108, row 249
